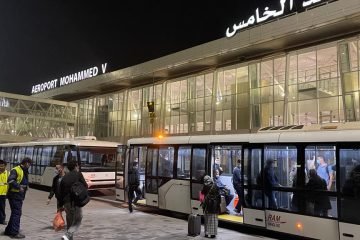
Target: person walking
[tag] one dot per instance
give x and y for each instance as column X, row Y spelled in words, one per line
column 73, row 212
column 18, row 182
column 238, row 183
column 55, row 187
column 133, row 186
column 3, row 190
column 271, row 181
column 211, row 207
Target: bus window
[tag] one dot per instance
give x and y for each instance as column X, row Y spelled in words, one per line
column 138, row 154
column 350, row 185
column 166, row 162
column 183, row 162
column 94, row 159
column 280, row 169
column 225, row 158
column 198, row 164
column 29, row 152
column 45, row 159
column 58, row 155
column 320, row 166
column 151, row 170
column 254, row 198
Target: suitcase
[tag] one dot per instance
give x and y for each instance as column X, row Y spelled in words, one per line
column 194, row 225
column 223, row 208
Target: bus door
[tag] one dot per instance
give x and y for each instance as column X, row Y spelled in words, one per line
column 151, row 177
column 119, row 172
column 349, row 175
column 174, row 176
column 223, row 160
column 199, row 168
column 254, row 213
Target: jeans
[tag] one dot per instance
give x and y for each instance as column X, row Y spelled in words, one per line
column 131, row 191
column 13, row 226
column 73, row 218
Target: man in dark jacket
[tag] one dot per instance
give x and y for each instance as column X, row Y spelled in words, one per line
column 73, row 212
column 321, row 202
column 238, row 183
column 270, row 181
column 18, row 182
column 133, row 186
column 55, row 187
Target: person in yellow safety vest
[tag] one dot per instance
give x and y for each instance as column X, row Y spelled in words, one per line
column 18, row 182
column 3, row 190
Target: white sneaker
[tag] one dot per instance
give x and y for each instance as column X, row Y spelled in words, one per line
column 65, row 237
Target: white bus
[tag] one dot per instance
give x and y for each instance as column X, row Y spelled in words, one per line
column 95, row 158
column 172, row 171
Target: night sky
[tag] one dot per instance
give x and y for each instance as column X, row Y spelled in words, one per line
column 44, row 40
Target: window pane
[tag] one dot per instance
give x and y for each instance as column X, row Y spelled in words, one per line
column 198, row 163
column 320, row 166
column 166, row 162
column 183, row 162
column 350, row 185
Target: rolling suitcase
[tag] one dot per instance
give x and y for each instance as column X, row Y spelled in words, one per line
column 194, row 225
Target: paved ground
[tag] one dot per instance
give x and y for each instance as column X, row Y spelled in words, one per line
column 104, row 220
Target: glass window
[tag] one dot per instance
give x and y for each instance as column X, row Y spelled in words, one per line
column 256, row 179
column 320, row 166
column 350, row 185
column 151, row 170
column 198, row 164
column 225, row 158
column 280, row 169
column 166, row 162
column 183, row 162
column 58, row 155
column 45, row 158
column 94, row 159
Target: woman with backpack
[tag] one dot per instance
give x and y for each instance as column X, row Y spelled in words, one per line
column 211, row 206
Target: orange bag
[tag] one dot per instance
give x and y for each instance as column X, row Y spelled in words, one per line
column 58, row 222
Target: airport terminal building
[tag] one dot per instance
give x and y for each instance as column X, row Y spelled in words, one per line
column 297, row 64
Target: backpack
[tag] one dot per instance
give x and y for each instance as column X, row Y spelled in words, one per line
column 79, row 194
column 133, row 178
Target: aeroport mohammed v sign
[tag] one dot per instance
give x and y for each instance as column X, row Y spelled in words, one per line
column 68, row 79
column 260, row 16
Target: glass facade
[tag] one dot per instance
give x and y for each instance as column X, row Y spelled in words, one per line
column 25, row 118
column 315, row 85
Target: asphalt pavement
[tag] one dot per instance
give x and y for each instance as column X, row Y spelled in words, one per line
column 107, row 220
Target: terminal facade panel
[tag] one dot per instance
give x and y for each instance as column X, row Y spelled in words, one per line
column 25, row 118
column 308, row 86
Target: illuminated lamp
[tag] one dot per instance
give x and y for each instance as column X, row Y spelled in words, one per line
column 299, row 226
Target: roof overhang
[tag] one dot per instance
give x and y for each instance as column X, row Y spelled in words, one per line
column 322, row 24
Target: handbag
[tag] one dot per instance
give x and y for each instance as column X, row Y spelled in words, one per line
column 58, row 222
column 201, row 197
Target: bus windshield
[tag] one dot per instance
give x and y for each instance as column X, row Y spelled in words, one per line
column 96, row 159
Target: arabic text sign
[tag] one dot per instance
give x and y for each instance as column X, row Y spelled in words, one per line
column 262, row 15
column 65, row 80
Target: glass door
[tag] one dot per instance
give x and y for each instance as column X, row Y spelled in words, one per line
column 151, row 177
column 349, row 214
column 119, row 172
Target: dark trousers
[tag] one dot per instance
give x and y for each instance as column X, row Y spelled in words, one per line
column 13, row 226
column 132, row 190
column 272, row 199
column 2, row 209
column 240, row 193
